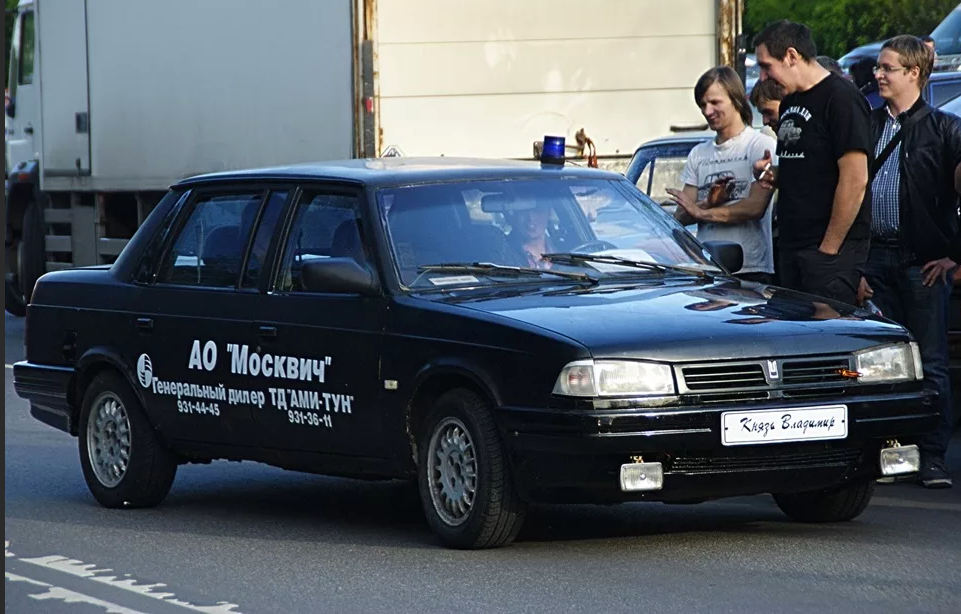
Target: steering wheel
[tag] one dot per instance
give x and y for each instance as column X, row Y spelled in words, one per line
column 594, row 246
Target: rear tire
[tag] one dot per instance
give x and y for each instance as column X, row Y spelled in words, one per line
column 464, row 480
column 123, row 461
column 836, row 505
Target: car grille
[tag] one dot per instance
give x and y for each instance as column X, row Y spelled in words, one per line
column 740, row 382
column 750, row 461
column 822, row 371
column 726, row 377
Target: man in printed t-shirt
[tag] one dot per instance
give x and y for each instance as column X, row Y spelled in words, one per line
column 720, row 192
column 824, row 145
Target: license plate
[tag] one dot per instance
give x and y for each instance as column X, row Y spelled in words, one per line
column 741, row 428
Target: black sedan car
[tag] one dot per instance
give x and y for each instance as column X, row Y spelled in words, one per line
column 501, row 333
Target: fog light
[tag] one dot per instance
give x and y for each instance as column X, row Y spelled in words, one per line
column 642, row 476
column 900, row 460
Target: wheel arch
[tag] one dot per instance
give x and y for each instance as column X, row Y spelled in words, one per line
column 93, row 362
column 437, row 378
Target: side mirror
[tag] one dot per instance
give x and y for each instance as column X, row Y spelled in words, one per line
column 728, row 253
column 11, row 108
column 338, row 276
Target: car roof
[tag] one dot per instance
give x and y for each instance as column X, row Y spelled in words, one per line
column 388, row 171
column 945, row 75
column 692, row 138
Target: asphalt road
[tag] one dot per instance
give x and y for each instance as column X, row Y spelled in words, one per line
column 247, row 538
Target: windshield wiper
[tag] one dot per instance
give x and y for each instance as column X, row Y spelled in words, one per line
column 487, row 268
column 572, row 258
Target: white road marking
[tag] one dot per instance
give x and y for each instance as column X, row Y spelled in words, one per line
column 8, row 366
column 90, row 572
column 69, row 596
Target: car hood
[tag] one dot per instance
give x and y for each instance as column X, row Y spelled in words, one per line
column 691, row 321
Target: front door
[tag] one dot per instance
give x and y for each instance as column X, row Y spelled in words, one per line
column 318, row 353
column 24, row 125
column 196, row 309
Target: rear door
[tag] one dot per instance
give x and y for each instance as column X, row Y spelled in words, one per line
column 317, row 354
column 197, row 306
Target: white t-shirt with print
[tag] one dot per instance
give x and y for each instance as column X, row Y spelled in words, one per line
column 734, row 158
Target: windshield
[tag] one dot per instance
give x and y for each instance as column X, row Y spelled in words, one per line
column 513, row 223
column 947, row 36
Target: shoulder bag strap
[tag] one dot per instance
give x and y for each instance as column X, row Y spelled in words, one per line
column 883, row 156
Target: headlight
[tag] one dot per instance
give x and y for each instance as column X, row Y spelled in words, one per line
column 893, row 363
column 605, row 378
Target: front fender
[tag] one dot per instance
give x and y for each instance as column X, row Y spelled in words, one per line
column 460, row 367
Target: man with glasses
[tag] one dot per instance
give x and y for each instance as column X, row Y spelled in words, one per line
column 824, row 140
column 915, row 242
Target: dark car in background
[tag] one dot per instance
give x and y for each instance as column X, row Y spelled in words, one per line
column 947, row 45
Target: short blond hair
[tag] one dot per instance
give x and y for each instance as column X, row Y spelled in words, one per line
column 912, row 52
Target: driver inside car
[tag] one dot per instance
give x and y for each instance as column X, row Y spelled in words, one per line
column 528, row 235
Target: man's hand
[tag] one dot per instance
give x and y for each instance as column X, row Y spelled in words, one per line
column 763, row 171
column 684, row 201
column 939, row 268
column 865, row 292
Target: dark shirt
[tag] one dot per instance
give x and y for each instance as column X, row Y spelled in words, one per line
column 817, row 127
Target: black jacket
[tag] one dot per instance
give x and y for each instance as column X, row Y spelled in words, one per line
column 930, row 153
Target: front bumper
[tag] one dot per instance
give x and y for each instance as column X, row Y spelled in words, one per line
column 47, row 389
column 576, row 456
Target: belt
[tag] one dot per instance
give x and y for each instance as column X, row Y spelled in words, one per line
column 886, row 241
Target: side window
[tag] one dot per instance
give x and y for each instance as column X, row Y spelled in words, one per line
column 265, row 230
column 27, row 46
column 667, row 174
column 325, row 226
column 209, row 249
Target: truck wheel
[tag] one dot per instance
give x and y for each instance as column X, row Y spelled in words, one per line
column 30, row 261
column 837, row 505
column 123, row 462
column 465, row 484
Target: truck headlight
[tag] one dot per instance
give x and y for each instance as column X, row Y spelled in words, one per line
column 605, row 378
column 892, row 363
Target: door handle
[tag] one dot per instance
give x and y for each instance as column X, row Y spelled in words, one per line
column 268, row 332
column 144, row 324
column 28, row 129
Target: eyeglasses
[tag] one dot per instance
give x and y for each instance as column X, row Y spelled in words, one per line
column 888, row 69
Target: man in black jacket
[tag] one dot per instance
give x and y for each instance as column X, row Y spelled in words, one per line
column 914, row 224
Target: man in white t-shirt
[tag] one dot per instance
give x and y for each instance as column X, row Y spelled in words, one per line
column 720, row 193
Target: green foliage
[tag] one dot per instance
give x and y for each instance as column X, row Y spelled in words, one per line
column 841, row 25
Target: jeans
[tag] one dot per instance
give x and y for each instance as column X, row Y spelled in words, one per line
column 901, row 296
column 806, row 269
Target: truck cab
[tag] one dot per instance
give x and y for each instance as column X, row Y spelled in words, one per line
column 24, row 235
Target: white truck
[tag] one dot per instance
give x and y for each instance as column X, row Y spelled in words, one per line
column 111, row 101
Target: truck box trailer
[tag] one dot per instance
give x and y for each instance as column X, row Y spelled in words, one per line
column 114, row 100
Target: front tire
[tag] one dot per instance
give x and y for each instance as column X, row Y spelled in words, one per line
column 123, row 461
column 837, row 505
column 27, row 261
column 464, row 480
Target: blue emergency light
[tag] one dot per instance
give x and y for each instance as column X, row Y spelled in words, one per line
column 553, row 150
